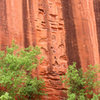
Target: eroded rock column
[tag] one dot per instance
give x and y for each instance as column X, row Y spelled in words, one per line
column 4, row 35
column 15, row 21
column 51, row 37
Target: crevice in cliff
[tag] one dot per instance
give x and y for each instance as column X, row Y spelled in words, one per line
column 25, row 23
column 97, row 18
column 71, row 39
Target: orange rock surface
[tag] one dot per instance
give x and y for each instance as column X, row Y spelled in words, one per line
column 66, row 30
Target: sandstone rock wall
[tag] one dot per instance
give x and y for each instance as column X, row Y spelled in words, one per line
column 81, row 33
column 66, row 31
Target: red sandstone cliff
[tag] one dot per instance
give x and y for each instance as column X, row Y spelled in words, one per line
column 66, row 31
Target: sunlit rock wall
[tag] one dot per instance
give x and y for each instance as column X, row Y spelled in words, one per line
column 66, row 30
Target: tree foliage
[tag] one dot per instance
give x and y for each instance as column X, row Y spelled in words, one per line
column 82, row 85
column 16, row 73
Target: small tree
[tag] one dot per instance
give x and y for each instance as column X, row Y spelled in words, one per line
column 81, row 85
column 15, row 73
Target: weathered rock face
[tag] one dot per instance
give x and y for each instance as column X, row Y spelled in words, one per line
column 81, row 34
column 66, row 30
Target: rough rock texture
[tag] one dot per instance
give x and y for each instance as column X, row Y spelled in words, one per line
column 81, row 34
column 66, row 30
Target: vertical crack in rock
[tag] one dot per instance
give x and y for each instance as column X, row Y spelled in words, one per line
column 71, row 40
column 97, row 18
column 3, row 28
column 46, row 17
column 25, row 23
column 29, row 23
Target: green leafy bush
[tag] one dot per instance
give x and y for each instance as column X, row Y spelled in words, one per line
column 16, row 73
column 6, row 96
column 82, row 85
